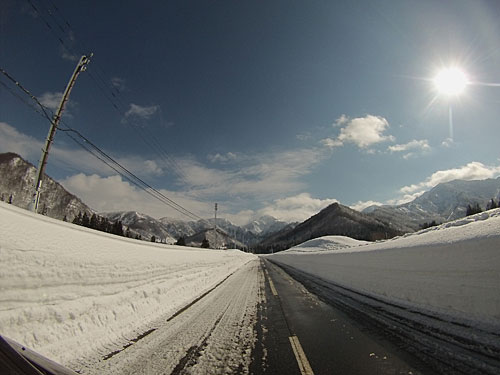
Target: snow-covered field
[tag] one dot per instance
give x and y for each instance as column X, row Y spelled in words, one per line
column 453, row 269
column 71, row 293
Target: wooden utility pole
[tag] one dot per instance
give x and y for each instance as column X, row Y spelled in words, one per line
column 215, row 227
column 82, row 66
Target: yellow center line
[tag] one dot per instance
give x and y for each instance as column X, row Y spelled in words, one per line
column 304, row 366
column 271, row 284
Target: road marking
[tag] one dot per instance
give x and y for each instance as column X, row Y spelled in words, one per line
column 304, row 366
column 271, row 284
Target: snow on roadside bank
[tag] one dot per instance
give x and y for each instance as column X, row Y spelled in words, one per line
column 326, row 243
column 69, row 292
column 452, row 269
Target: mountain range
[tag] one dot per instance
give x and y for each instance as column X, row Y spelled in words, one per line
column 335, row 219
column 446, row 201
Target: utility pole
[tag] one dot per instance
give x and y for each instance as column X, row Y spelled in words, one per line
column 215, row 227
column 82, row 66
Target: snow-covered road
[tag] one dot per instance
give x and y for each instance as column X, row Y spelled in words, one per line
column 213, row 336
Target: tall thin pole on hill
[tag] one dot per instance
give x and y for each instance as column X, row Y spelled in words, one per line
column 81, row 66
column 215, row 227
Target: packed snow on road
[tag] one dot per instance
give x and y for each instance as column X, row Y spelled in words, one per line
column 452, row 269
column 76, row 295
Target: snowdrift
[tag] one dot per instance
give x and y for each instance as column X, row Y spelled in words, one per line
column 326, row 243
column 72, row 293
column 452, row 269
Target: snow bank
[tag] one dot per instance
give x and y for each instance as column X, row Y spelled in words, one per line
column 452, row 269
column 326, row 243
column 69, row 292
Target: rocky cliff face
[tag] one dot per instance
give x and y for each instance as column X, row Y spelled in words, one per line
column 17, row 179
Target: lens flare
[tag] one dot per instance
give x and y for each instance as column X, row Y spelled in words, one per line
column 451, row 81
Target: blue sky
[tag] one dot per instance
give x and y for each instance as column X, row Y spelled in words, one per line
column 267, row 107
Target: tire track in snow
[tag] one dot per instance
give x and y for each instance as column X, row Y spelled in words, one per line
column 214, row 335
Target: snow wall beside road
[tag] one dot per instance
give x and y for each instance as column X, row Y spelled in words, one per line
column 71, row 293
column 453, row 269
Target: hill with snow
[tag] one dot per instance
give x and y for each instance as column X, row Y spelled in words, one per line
column 445, row 202
column 335, row 219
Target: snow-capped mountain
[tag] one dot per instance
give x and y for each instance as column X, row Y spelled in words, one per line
column 142, row 224
column 445, row 202
column 265, row 225
column 17, row 179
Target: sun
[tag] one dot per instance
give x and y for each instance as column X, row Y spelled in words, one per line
column 451, row 81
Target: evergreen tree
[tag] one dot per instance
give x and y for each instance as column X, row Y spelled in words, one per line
column 491, row 204
column 128, row 233
column 78, row 219
column 117, row 228
column 472, row 210
column 153, row 238
column 65, row 218
column 85, row 220
column 10, row 199
column 181, row 241
column 205, row 244
column 94, row 222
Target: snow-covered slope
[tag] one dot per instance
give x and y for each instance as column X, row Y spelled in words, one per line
column 446, row 201
column 142, row 224
column 72, row 293
column 265, row 225
column 326, row 243
column 453, row 269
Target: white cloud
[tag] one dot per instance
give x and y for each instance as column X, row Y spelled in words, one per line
column 361, row 131
column 405, row 198
column 448, row 142
column 296, row 208
column 51, row 100
column 66, row 54
column 361, row 205
column 342, row 120
column 142, row 112
column 472, row 171
column 12, row 140
column 413, row 146
column 365, row 131
column 118, row 83
column 304, row 136
column 331, row 143
column 222, row 158
column 111, row 193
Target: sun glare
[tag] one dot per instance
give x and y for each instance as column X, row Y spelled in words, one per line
column 451, row 81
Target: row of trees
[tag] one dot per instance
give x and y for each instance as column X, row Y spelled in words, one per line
column 103, row 224
column 475, row 209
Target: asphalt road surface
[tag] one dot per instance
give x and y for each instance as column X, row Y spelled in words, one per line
column 299, row 334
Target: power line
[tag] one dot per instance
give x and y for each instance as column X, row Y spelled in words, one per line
column 101, row 155
column 111, row 95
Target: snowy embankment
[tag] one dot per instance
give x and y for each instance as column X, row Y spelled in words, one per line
column 70, row 293
column 452, row 269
